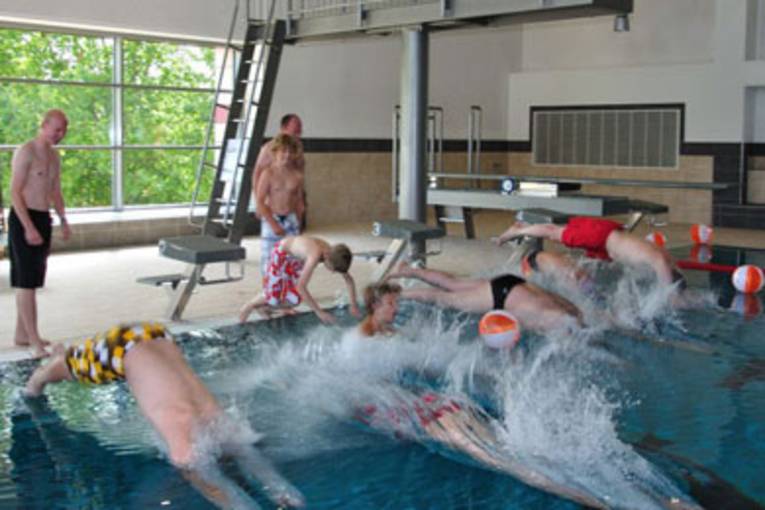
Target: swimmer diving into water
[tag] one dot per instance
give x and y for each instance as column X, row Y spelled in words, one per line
column 176, row 403
column 454, row 422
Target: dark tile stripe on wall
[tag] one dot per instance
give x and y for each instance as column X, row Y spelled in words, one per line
column 727, row 168
column 384, row 145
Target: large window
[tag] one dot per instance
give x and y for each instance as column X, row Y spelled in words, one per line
column 138, row 113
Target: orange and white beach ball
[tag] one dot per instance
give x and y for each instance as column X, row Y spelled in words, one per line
column 702, row 234
column 657, row 238
column 748, row 305
column 499, row 329
column 701, row 253
column 748, row 279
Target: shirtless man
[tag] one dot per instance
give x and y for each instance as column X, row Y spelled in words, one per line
column 279, row 196
column 176, row 403
column 534, row 307
column 292, row 264
column 35, row 184
column 290, row 125
column 602, row 239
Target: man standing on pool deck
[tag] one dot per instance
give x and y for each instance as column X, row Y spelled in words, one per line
column 290, row 125
column 602, row 239
column 176, row 403
column 35, row 184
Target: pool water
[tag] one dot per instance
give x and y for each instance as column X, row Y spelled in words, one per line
column 656, row 405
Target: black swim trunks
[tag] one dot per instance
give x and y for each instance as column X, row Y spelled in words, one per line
column 28, row 263
column 531, row 258
column 501, row 287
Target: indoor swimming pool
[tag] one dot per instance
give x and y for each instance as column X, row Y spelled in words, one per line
column 657, row 407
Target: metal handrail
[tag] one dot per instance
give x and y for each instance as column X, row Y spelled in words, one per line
column 211, row 122
column 396, row 149
column 253, row 88
column 474, row 139
column 332, row 7
column 435, row 144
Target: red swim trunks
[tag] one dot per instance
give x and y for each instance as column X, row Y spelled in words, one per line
column 590, row 234
column 423, row 410
column 280, row 281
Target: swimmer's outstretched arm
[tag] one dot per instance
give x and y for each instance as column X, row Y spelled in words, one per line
column 56, row 370
column 257, row 467
column 543, row 230
column 210, row 481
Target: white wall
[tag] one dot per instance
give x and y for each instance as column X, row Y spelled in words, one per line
column 349, row 88
column 663, row 32
column 684, row 51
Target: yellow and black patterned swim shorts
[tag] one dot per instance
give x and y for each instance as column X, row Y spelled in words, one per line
column 98, row 359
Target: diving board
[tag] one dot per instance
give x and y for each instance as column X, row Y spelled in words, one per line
column 457, row 205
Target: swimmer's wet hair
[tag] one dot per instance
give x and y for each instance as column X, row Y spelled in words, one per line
column 287, row 143
column 340, row 258
column 374, row 293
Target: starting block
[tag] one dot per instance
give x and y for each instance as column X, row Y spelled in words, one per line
column 197, row 251
column 404, row 233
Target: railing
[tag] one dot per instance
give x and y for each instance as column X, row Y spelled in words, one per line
column 475, row 118
column 434, row 145
column 297, row 9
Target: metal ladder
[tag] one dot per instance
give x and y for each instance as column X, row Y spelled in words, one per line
column 245, row 126
column 247, row 109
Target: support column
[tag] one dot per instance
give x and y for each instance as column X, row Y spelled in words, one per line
column 412, row 204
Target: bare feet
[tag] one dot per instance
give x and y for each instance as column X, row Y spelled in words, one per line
column 402, row 270
column 26, row 343
column 40, row 352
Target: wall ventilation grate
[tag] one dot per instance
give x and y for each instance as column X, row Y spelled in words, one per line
column 629, row 137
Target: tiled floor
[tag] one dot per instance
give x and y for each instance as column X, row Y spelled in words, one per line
column 89, row 291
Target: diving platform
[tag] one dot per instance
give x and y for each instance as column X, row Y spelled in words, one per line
column 343, row 18
column 456, row 205
column 405, row 234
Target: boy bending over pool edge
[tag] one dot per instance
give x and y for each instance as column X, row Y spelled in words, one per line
column 176, row 403
column 293, row 261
